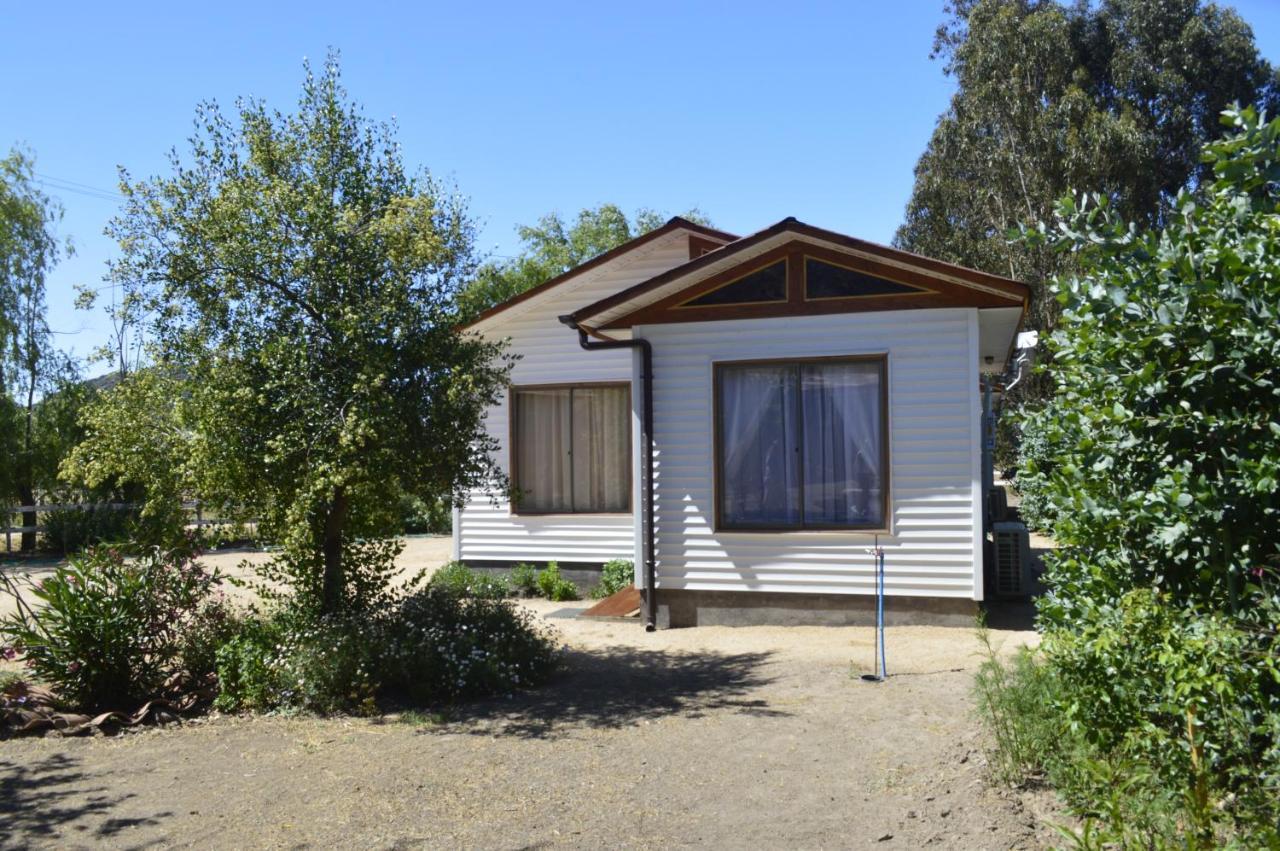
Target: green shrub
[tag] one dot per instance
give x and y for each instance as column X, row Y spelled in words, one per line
column 1157, row 462
column 325, row 665
column 615, row 576
column 75, row 529
column 420, row 517
column 555, row 587
column 108, row 632
column 524, row 579
column 458, row 579
column 248, row 676
column 443, row 647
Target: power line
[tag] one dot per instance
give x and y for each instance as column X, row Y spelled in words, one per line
column 64, row 185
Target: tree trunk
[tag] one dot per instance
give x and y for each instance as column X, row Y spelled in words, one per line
column 335, row 522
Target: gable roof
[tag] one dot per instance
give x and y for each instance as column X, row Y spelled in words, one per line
column 675, row 223
column 612, row 309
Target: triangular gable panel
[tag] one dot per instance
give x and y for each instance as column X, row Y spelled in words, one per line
column 831, row 280
column 805, row 278
column 762, row 286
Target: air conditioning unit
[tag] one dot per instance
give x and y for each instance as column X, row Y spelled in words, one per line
column 1011, row 554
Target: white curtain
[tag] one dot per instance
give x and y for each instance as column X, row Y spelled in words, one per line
column 601, row 455
column 842, row 444
column 760, row 473
column 572, row 449
column 543, row 443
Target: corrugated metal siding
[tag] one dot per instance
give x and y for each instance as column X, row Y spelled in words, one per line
column 934, row 548
column 485, row 530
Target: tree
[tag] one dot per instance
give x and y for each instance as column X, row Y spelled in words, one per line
column 1163, row 425
column 301, row 284
column 29, row 364
column 1114, row 98
column 551, row 247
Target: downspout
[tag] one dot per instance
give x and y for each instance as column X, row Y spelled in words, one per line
column 646, row 441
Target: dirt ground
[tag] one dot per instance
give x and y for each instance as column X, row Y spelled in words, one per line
column 726, row 737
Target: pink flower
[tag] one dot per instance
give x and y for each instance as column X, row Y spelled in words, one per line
column 8, row 653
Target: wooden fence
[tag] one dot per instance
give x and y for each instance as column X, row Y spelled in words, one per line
column 194, row 506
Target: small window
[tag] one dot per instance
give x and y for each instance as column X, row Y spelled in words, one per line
column 572, row 449
column 802, row 444
column 825, row 280
column 764, row 285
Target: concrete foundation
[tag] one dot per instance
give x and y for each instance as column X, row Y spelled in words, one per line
column 680, row 608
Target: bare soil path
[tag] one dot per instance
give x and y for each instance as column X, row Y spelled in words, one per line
column 750, row 737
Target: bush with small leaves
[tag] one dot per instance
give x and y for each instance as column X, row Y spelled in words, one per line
column 555, row 587
column 456, row 578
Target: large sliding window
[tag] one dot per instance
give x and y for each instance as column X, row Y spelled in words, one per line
column 571, row 448
column 802, row 444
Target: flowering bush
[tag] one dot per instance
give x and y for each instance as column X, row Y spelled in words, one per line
column 440, row 646
column 108, row 631
column 324, row 665
column 458, row 579
column 433, row 645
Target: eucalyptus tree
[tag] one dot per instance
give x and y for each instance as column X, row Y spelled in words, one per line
column 29, row 364
column 1114, row 98
column 300, row 284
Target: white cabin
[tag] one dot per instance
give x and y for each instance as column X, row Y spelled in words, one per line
column 813, row 395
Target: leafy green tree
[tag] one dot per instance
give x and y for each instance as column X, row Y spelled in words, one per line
column 300, row 285
column 29, row 364
column 552, row 247
column 1113, row 98
column 1163, row 424
column 1157, row 461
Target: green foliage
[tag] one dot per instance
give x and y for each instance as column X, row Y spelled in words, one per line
column 106, row 631
column 301, row 288
column 1011, row 697
column 74, row 530
column 445, row 647
column 425, row 517
column 323, row 664
column 135, row 443
column 553, row 586
column 1114, row 98
column 1166, row 459
column 1157, row 462
column 430, row 646
column 524, row 579
column 552, row 247
column 461, row 581
column 616, row 575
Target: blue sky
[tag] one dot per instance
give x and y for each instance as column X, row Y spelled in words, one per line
column 749, row 111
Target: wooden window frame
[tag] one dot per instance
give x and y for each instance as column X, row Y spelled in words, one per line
column 512, row 419
column 718, row 367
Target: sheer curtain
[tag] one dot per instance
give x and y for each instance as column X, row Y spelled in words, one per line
column 572, row 449
column 601, row 454
column 543, row 445
column 842, row 443
column 760, row 471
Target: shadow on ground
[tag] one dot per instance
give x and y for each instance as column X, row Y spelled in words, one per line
column 621, row 686
column 40, row 799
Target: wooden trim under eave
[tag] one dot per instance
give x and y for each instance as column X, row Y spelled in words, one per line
column 934, row 292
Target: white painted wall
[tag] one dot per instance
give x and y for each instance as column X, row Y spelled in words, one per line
column 934, row 548
column 485, row 530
